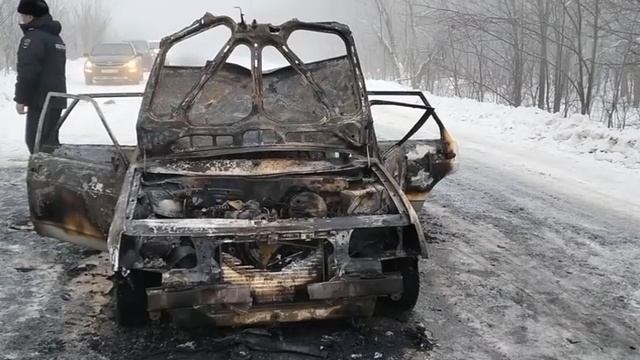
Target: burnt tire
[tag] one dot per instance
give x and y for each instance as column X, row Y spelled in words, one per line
column 130, row 297
column 408, row 268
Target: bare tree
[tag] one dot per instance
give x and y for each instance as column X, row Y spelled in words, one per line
column 91, row 25
column 84, row 23
column 9, row 34
column 387, row 37
column 543, row 11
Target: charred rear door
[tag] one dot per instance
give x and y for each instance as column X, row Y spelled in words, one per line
column 73, row 189
column 417, row 165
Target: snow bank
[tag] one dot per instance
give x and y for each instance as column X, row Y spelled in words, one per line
column 577, row 134
column 12, row 146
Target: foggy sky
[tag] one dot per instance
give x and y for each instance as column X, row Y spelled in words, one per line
column 153, row 19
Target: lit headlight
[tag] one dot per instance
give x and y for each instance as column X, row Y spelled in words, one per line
column 88, row 66
column 132, row 65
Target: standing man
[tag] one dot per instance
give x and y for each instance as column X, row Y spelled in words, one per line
column 41, row 69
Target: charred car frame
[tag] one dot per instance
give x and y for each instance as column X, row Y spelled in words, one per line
column 252, row 196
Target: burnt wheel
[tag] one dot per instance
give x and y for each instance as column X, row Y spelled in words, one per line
column 408, row 268
column 131, row 298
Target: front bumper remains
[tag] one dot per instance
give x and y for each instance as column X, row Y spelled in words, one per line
column 232, row 305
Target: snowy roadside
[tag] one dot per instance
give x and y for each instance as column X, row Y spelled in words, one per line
column 537, row 146
column 576, row 134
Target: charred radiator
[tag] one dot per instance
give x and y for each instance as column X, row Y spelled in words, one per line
column 268, row 286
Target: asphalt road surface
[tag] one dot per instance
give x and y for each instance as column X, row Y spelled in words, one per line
column 518, row 270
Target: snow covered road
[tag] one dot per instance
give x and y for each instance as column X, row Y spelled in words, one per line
column 518, row 270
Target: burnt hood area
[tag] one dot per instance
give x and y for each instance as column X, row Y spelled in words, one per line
column 223, row 106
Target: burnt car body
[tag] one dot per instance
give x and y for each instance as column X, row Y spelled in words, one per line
column 154, row 47
column 252, row 196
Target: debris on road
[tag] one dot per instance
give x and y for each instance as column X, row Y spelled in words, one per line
column 21, row 226
column 25, row 269
column 422, row 340
column 187, row 346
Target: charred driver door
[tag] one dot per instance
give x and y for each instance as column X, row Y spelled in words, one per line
column 73, row 189
column 417, row 165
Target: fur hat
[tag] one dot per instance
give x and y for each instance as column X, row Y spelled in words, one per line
column 35, row 8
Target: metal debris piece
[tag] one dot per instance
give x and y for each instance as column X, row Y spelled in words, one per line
column 422, row 340
column 22, row 226
column 190, row 345
column 269, row 344
column 240, row 353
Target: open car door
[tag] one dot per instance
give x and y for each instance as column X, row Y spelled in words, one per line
column 73, row 189
column 417, row 165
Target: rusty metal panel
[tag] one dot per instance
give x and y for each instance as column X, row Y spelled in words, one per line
column 270, row 287
column 348, row 288
column 73, row 199
column 159, row 299
column 240, row 167
column 280, row 313
column 231, row 227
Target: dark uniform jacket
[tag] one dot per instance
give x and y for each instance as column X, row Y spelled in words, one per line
column 41, row 64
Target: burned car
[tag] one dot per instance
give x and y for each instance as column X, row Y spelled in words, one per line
column 252, row 196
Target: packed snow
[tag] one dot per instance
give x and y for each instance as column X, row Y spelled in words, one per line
column 575, row 150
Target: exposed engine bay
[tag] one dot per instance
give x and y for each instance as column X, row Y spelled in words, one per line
column 255, row 261
column 260, row 199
